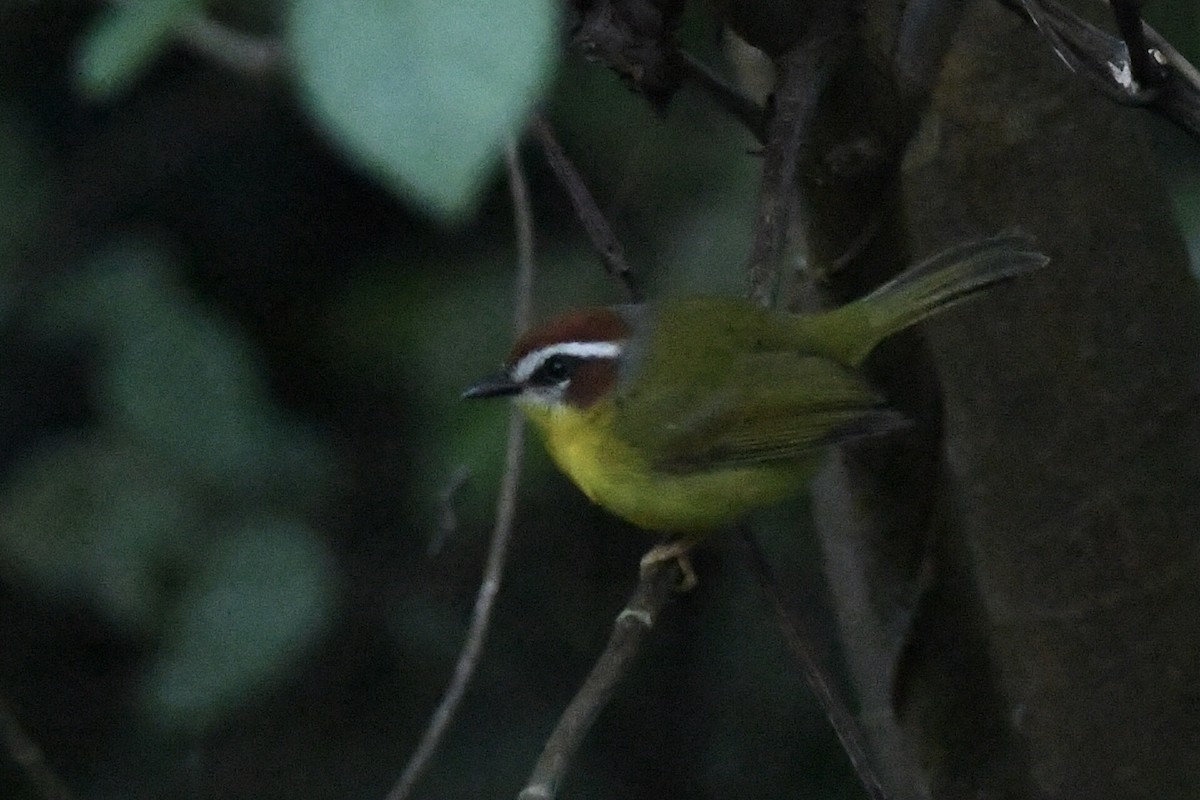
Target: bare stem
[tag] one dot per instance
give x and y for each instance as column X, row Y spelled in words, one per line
column 599, row 231
column 738, row 105
column 1098, row 56
column 804, row 73
column 523, row 220
column 447, row 513
column 629, row 632
column 797, row 633
column 468, row 658
column 25, row 753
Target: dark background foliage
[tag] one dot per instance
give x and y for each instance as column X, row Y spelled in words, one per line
column 232, row 354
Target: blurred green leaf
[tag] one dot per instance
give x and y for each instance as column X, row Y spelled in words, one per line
column 110, row 293
column 124, row 39
column 263, row 596
column 179, row 377
column 98, row 521
column 184, row 382
column 423, row 93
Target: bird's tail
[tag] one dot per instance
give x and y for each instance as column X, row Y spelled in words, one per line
column 948, row 278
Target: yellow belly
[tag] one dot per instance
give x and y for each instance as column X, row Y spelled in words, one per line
column 617, row 477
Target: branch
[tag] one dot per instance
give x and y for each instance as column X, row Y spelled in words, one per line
column 1142, row 65
column 523, row 220
column 447, row 514
column 797, row 633
column 599, row 231
column 1104, row 60
column 804, row 72
column 739, row 106
column 24, row 752
column 851, row 219
column 654, row 588
column 481, row 614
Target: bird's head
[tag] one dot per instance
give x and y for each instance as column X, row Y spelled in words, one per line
column 571, row 361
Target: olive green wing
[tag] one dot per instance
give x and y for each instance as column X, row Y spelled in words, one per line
column 765, row 407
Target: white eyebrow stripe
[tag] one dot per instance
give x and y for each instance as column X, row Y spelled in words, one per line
column 532, row 360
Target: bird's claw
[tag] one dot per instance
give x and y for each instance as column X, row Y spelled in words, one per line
column 676, row 550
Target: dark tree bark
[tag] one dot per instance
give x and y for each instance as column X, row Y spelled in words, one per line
column 1072, row 425
column 1046, row 515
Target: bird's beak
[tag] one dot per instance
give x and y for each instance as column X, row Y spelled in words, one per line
column 498, row 385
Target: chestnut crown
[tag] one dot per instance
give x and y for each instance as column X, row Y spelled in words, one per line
column 571, row 360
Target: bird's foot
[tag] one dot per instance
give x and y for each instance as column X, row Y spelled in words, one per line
column 675, row 550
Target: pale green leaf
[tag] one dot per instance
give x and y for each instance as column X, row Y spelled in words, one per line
column 423, row 93
column 178, row 377
column 96, row 521
column 124, row 39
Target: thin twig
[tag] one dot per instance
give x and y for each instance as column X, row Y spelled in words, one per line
column 804, row 73
column 655, row 587
column 742, row 108
column 25, row 753
column 798, row 632
column 468, row 658
column 447, row 513
column 598, row 230
column 873, row 634
column 1085, row 50
column 1145, row 70
column 523, row 219
column 1103, row 59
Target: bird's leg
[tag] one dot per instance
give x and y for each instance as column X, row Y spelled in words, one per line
column 677, row 550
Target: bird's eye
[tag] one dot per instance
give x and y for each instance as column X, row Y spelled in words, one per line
column 554, row 369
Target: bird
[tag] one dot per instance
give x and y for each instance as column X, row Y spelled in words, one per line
column 683, row 415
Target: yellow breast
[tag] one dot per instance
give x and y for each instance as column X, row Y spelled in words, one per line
column 617, row 476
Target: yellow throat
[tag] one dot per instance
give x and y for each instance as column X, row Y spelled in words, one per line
column 619, row 478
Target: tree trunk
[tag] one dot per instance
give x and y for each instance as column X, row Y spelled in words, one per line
column 1056, row 653
column 1072, row 425
column 1055, row 649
